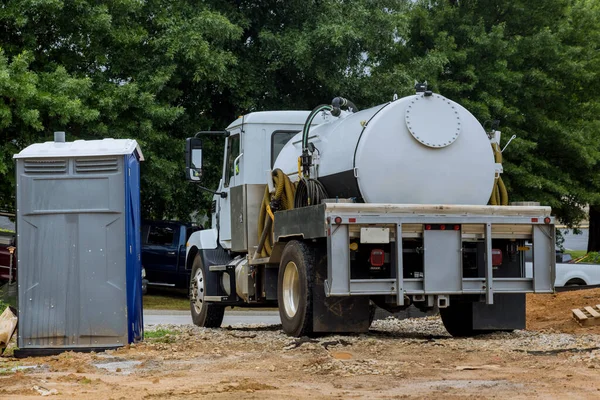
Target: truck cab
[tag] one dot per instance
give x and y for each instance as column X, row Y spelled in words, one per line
column 252, row 144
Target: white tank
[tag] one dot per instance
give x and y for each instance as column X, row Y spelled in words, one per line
column 415, row 150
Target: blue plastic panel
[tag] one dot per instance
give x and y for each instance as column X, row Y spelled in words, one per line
column 135, row 320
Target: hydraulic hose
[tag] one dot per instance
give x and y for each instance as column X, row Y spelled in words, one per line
column 309, row 192
column 499, row 195
column 309, row 120
column 306, row 157
column 338, row 102
column 284, row 197
column 281, row 199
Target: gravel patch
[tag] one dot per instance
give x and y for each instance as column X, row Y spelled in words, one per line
column 425, row 331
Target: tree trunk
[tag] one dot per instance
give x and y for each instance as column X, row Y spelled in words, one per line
column 594, row 236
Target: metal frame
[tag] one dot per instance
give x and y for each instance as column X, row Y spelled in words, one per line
column 339, row 282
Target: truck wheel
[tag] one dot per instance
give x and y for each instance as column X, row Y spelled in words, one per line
column 207, row 315
column 294, row 288
column 458, row 319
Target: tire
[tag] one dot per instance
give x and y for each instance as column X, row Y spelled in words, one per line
column 575, row 282
column 207, row 315
column 458, row 319
column 294, row 288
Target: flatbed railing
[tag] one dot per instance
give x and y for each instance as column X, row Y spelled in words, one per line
column 442, row 274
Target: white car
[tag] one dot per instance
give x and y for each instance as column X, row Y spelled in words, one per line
column 572, row 274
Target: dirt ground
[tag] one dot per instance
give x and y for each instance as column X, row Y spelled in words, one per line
column 412, row 359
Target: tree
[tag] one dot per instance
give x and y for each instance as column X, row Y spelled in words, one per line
column 295, row 55
column 158, row 71
column 529, row 64
column 132, row 69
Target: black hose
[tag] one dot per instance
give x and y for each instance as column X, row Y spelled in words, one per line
column 309, row 192
column 306, row 154
column 309, row 120
column 335, row 109
column 338, row 102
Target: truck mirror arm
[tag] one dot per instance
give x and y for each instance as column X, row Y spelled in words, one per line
column 222, row 194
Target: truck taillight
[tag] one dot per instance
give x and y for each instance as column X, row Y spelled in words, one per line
column 496, row 257
column 377, row 257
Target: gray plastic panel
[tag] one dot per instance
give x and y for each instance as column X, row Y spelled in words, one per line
column 71, row 246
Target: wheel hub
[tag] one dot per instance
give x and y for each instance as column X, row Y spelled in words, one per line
column 291, row 289
column 197, row 290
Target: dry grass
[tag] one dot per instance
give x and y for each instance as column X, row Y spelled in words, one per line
column 160, row 299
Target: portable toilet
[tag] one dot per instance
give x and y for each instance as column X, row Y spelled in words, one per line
column 78, row 245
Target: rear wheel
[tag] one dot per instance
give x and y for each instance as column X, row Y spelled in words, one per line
column 294, row 289
column 458, row 319
column 208, row 315
column 575, row 282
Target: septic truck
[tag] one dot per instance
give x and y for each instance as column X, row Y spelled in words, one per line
column 329, row 213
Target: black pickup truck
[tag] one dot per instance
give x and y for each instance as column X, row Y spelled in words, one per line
column 163, row 252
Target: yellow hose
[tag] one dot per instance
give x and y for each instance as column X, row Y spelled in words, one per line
column 284, row 194
column 499, row 196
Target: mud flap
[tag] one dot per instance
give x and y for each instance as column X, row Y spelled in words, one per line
column 337, row 313
column 211, row 257
column 507, row 313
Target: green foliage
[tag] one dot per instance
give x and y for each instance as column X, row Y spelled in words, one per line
column 117, row 69
column 158, row 71
column 531, row 64
column 160, row 335
column 576, row 253
column 592, row 257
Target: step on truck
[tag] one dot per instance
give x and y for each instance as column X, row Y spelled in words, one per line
column 328, row 213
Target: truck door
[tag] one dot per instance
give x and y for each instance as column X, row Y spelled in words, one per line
column 231, row 177
column 183, row 271
column 160, row 252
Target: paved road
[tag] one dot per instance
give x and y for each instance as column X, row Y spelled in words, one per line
column 233, row 318
column 575, row 242
column 5, row 223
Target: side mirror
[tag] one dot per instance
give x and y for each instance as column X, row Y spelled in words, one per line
column 193, row 159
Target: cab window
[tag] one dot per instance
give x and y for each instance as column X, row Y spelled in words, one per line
column 160, row 236
column 233, row 151
column 278, row 140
